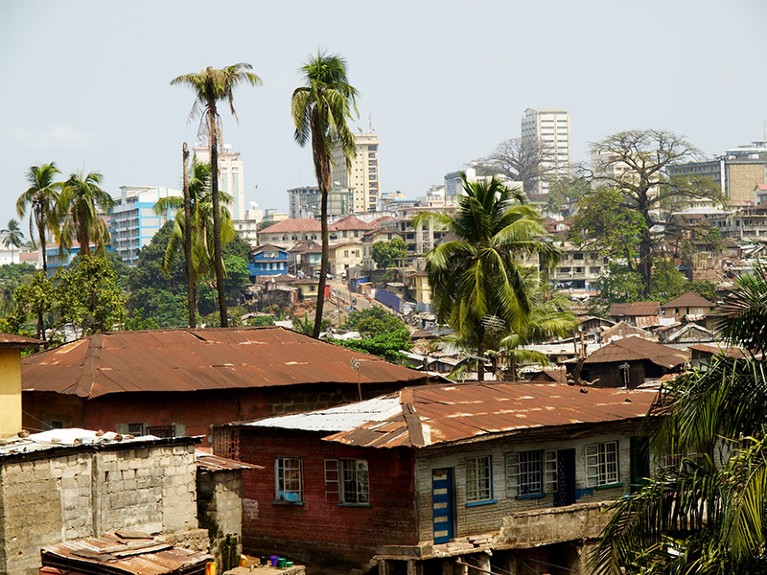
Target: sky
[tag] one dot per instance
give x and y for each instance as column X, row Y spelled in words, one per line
column 86, row 84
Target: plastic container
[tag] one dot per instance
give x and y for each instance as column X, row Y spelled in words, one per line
column 281, row 562
column 288, row 564
column 274, row 559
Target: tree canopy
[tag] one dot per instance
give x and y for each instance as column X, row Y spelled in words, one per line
column 388, row 254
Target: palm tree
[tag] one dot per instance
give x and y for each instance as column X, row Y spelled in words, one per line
column 41, row 198
column 200, row 204
column 320, row 110
column 704, row 509
column 212, row 85
column 477, row 276
column 81, row 202
column 12, row 236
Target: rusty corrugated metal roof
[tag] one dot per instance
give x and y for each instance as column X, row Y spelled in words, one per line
column 131, row 554
column 209, row 462
column 637, row 308
column 201, row 359
column 12, row 340
column 436, row 414
column 637, row 349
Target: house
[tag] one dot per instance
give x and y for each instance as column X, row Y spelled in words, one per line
column 684, row 333
column 687, row 304
column 180, row 382
column 10, row 381
column 629, row 361
column 430, row 478
column 287, row 232
column 305, row 257
column 268, row 260
column 419, row 289
column 644, row 314
column 70, row 484
column 621, row 330
column 345, row 256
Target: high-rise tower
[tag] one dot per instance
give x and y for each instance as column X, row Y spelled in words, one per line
column 548, row 130
column 362, row 176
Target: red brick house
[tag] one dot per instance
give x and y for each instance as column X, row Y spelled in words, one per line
column 180, row 382
column 495, row 474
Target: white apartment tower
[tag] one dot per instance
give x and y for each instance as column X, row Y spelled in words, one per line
column 362, row 176
column 549, row 130
column 231, row 177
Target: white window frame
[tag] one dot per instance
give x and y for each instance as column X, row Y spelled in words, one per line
column 288, row 479
column 354, row 482
column 479, row 479
column 523, row 480
column 602, row 464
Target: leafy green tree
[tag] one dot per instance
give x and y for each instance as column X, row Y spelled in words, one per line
column 12, row 236
column 212, row 86
column 704, row 288
column 320, row 110
column 620, row 285
column 11, row 277
column 88, row 296
column 35, row 298
column 237, row 274
column 634, row 163
column 703, row 511
column 389, row 346
column 383, row 334
column 80, row 203
column 388, row 254
column 41, row 198
column 478, row 274
column 604, row 223
column 667, row 281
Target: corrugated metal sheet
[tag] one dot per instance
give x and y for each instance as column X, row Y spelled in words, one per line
column 637, row 308
column 209, row 462
column 689, row 299
column 435, row 414
column 201, row 359
column 133, row 554
column 11, row 340
column 637, row 349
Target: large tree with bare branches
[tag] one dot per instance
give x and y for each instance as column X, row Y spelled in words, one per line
column 634, row 163
column 518, row 160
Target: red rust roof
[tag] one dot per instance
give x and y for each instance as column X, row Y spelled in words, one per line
column 637, row 349
column 11, row 340
column 293, row 225
column 438, row 414
column 129, row 554
column 689, row 299
column 637, row 308
column 349, row 223
column 201, row 359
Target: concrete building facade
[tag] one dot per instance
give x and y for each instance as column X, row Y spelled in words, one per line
column 548, row 129
column 362, row 176
column 133, row 221
column 231, row 176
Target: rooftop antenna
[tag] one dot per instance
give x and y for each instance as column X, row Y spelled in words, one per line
column 370, row 122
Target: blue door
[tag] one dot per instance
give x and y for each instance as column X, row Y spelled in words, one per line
column 443, row 504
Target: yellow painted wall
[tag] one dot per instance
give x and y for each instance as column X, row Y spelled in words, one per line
column 10, row 392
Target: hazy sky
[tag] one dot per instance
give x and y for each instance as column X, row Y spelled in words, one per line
column 86, row 84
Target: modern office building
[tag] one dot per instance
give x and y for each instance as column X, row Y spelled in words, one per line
column 362, row 176
column 231, row 176
column 739, row 170
column 548, row 130
column 133, row 221
column 304, row 202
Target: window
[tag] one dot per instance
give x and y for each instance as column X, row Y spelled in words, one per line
column 531, row 473
column 161, row 430
column 479, row 479
column 602, row 464
column 354, row 488
column 136, row 428
column 287, row 479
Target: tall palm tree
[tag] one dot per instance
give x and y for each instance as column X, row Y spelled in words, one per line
column 703, row 511
column 200, row 204
column 81, row 202
column 212, row 85
column 320, row 110
column 478, row 276
column 41, row 198
column 12, row 236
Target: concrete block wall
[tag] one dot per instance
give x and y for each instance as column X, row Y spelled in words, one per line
column 84, row 493
column 219, row 506
column 473, row 520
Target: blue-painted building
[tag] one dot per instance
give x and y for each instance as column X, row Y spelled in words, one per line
column 268, row 260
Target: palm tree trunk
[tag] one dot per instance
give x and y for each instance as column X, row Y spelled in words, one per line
column 41, row 232
column 190, row 279
column 322, row 167
column 217, row 255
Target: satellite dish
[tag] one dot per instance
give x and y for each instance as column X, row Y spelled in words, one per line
column 253, row 205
